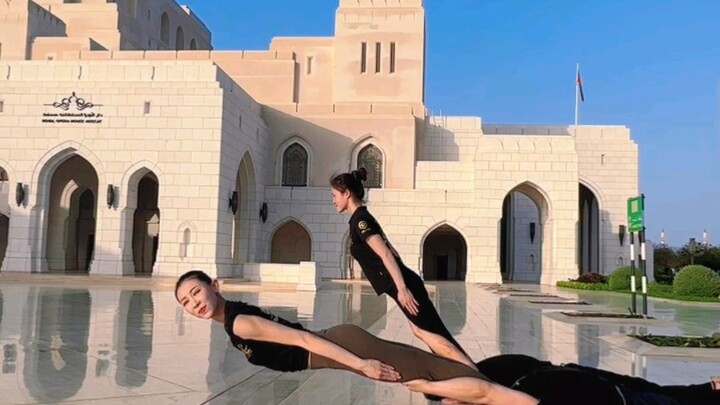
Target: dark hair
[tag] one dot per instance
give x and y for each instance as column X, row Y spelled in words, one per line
column 351, row 181
column 193, row 274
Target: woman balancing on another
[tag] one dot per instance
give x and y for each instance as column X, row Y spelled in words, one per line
column 387, row 273
column 278, row 344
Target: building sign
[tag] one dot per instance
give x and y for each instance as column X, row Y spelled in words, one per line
column 72, row 110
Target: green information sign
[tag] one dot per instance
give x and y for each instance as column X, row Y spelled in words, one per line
column 636, row 214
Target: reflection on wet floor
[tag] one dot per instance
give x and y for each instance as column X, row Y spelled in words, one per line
column 134, row 346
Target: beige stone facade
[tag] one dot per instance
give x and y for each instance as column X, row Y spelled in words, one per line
column 132, row 160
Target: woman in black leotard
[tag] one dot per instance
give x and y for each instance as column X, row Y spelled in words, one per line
column 386, row 271
column 559, row 384
column 278, row 344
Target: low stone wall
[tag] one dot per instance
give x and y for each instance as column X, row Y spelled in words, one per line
column 303, row 274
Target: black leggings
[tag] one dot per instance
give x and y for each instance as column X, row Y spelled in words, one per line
column 411, row 362
column 528, row 374
column 427, row 317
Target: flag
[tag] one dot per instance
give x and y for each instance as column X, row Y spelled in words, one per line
column 579, row 84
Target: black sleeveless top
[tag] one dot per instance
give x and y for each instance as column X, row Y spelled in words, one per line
column 274, row 356
column 362, row 226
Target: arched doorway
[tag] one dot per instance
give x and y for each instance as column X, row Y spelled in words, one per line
column 291, row 244
column 146, row 224
column 444, row 255
column 522, row 234
column 242, row 221
column 589, row 231
column 71, row 216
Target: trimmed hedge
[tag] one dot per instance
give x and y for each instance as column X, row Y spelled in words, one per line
column 711, row 342
column 698, row 281
column 584, row 286
column 654, row 290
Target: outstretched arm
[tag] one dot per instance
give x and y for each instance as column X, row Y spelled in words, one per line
column 473, row 391
column 257, row 328
column 405, row 297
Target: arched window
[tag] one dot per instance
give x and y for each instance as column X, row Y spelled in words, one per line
column 165, row 28
column 185, row 245
column 295, row 166
column 193, row 44
column 371, row 159
column 3, row 175
column 179, row 39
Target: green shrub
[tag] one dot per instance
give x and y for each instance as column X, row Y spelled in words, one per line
column 583, row 286
column 619, row 280
column 698, row 281
column 660, row 290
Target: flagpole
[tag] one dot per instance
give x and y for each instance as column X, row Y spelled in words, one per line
column 577, row 91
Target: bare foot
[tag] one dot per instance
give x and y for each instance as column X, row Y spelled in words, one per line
column 715, row 382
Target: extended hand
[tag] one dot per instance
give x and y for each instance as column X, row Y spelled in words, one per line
column 407, row 301
column 379, row 371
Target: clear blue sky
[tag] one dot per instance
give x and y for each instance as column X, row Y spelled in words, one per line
column 649, row 64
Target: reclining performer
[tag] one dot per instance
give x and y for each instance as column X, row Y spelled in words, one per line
column 275, row 343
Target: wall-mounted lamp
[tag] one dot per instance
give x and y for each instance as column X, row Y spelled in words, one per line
column 110, row 196
column 622, row 230
column 20, row 194
column 234, row 202
column 532, row 232
column 264, row 212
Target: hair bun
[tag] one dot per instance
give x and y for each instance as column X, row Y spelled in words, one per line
column 360, row 174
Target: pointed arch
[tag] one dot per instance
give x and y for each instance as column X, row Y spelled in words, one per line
column 291, row 242
column 590, row 227
column 187, row 235
column 536, row 193
column 294, row 162
column 444, row 253
column 243, row 221
column 367, row 151
column 68, row 211
column 132, row 176
column 51, row 160
column 594, row 188
column 525, row 233
column 141, row 205
column 165, row 28
column 179, row 38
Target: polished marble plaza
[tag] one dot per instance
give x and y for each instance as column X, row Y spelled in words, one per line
column 117, row 345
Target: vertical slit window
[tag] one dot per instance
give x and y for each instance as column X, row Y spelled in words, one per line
column 392, row 57
column 363, row 57
column 378, row 56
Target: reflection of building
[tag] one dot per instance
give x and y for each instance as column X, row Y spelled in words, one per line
column 171, row 160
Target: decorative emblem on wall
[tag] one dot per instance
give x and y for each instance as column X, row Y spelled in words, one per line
column 77, row 111
column 80, row 103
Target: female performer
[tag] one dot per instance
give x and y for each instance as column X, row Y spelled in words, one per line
column 275, row 343
column 387, row 273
